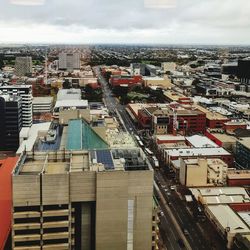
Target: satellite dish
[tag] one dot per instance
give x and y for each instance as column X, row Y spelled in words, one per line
column 27, row 2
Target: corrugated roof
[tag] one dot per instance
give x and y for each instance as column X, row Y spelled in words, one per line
column 227, row 218
column 221, row 195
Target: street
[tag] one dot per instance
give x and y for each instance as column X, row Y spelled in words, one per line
column 175, row 218
column 185, row 221
column 113, row 105
column 201, row 235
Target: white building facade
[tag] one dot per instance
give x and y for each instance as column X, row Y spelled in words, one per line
column 25, row 92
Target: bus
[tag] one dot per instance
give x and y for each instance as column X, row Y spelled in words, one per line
column 140, row 143
column 155, row 162
column 137, row 137
column 148, row 152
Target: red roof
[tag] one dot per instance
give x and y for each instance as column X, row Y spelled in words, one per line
column 6, row 167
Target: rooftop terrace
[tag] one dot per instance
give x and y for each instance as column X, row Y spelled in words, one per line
column 60, row 162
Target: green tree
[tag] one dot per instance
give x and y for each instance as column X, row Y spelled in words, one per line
column 66, row 84
column 94, row 95
column 1, row 61
column 120, row 91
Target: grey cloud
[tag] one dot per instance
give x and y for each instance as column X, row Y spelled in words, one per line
column 91, row 13
column 191, row 18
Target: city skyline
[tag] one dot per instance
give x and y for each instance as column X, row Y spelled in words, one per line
column 140, row 22
column 124, row 125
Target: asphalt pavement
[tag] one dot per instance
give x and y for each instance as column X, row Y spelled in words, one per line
column 170, row 233
column 113, row 104
column 197, row 238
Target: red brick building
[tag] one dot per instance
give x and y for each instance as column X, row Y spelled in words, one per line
column 215, row 123
column 185, row 101
column 240, row 207
column 163, row 139
column 125, row 80
column 189, row 121
column 145, row 117
column 238, row 178
column 230, row 127
column 214, row 139
column 214, row 120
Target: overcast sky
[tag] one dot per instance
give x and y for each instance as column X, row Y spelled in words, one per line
column 125, row 21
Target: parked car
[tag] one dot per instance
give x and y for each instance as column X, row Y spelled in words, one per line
column 181, row 243
column 185, row 231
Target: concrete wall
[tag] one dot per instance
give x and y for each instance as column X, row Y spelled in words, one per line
column 55, row 189
column 114, row 191
column 123, row 203
column 197, row 174
column 101, row 131
column 182, row 175
column 66, row 115
column 26, row 190
column 82, row 186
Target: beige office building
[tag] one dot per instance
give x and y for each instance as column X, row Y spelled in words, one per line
column 157, row 82
column 193, row 172
column 69, row 61
column 83, row 200
column 202, row 172
column 168, row 66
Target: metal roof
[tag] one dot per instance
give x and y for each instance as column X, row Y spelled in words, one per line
column 196, row 152
column 71, row 103
column 227, row 218
column 199, row 141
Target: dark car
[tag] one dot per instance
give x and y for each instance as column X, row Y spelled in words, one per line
column 181, row 243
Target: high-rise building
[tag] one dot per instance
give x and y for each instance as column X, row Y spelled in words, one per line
column 244, row 72
column 69, row 61
column 243, row 152
column 23, row 66
column 98, row 199
column 42, row 104
column 10, row 122
column 137, row 69
column 25, row 92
